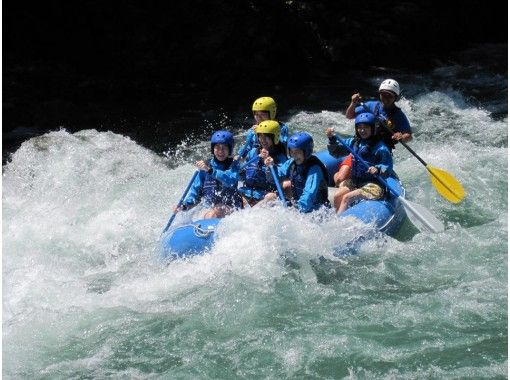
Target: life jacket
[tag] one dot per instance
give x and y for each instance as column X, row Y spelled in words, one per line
column 215, row 192
column 255, row 174
column 384, row 133
column 366, row 151
column 298, row 175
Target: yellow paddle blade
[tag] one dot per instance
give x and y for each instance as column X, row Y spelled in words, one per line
column 446, row 185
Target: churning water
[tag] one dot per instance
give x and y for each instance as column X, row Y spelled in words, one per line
column 85, row 296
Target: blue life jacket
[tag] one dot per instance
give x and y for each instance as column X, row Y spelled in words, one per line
column 399, row 121
column 256, row 173
column 298, row 175
column 369, row 154
column 215, row 192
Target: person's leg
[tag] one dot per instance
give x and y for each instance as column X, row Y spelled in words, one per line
column 267, row 198
column 337, row 198
column 218, row 212
column 347, row 198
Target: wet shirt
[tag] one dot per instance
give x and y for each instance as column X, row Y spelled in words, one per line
column 308, row 184
column 217, row 187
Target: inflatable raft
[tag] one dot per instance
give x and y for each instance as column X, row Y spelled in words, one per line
column 386, row 215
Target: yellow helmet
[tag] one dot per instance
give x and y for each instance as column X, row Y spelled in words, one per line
column 270, row 127
column 267, row 104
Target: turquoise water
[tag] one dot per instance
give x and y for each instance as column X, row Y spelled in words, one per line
column 84, row 295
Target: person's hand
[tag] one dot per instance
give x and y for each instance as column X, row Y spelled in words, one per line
column 355, row 98
column 269, row 161
column 397, row 136
column 330, row 132
column 264, row 153
column 254, row 126
column 202, row 165
column 373, row 170
column 383, row 120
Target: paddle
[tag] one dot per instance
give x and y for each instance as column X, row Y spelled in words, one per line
column 180, row 201
column 249, row 162
column 419, row 215
column 278, row 186
column 445, row 183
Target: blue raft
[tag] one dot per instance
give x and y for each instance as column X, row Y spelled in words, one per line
column 387, row 215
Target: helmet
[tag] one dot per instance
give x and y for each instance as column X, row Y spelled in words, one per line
column 366, row 118
column 223, row 137
column 303, row 141
column 390, row 85
column 265, row 104
column 271, row 127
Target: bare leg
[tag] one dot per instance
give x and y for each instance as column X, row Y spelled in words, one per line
column 352, row 195
column 337, row 199
column 267, row 198
column 217, row 212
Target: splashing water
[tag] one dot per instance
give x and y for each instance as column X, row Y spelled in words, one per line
column 84, row 294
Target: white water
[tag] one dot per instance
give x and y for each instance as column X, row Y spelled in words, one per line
column 84, row 293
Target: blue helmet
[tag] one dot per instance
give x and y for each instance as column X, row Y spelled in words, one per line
column 223, row 137
column 367, row 118
column 303, row 141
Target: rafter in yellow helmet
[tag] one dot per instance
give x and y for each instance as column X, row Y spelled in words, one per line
column 267, row 104
column 271, row 127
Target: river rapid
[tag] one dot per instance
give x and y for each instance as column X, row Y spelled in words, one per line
column 85, row 295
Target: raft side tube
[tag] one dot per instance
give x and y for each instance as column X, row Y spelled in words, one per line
column 189, row 239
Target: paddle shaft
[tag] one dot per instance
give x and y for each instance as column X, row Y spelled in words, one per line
column 180, row 201
column 278, row 186
column 249, row 162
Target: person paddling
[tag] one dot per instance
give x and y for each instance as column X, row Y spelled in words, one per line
column 216, row 184
column 369, row 146
column 307, row 174
column 257, row 183
column 386, row 112
column 263, row 108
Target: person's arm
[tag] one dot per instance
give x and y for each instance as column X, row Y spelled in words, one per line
column 229, row 177
column 350, row 112
column 195, row 191
column 385, row 161
column 251, row 140
column 284, row 133
column 402, row 129
column 306, row 201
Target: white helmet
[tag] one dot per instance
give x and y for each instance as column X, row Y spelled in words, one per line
column 390, row 85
